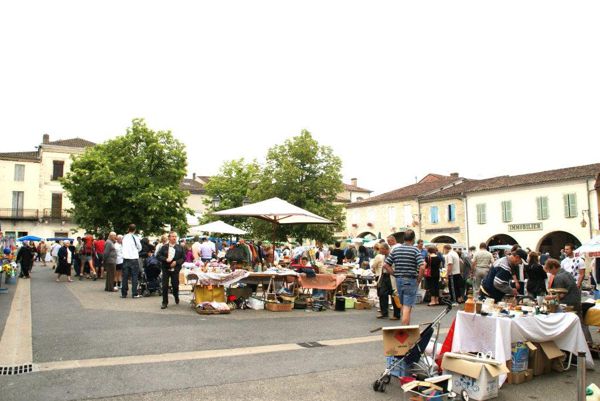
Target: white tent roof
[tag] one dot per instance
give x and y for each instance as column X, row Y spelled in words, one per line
column 216, row 227
column 590, row 248
column 277, row 211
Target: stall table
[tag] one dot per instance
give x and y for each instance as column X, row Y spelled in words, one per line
column 286, row 278
column 476, row 333
column 328, row 282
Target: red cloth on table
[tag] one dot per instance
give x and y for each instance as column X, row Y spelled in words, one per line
column 447, row 345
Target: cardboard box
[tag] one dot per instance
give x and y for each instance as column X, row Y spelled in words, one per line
column 545, row 355
column 350, row 302
column 478, row 377
column 398, row 340
column 362, row 305
column 520, row 377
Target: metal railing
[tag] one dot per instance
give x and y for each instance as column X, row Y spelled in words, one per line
column 19, row 214
column 56, row 214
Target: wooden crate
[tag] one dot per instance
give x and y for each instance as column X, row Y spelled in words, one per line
column 274, row 307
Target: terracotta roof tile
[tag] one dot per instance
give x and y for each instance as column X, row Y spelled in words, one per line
column 193, row 186
column 408, row 192
column 507, row 181
column 73, row 143
column 18, row 156
column 354, row 188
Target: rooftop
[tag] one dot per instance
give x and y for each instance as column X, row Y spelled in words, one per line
column 21, row 156
column 507, row 181
column 354, row 188
column 73, row 143
column 429, row 183
column 193, row 186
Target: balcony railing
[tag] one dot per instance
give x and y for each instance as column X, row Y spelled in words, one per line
column 20, row 214
column 56, row 214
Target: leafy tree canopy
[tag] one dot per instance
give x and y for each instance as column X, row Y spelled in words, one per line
column 231, row 185
column 134, row 178
column 307, row 175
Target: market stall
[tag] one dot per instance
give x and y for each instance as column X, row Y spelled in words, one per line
column 208, row 285
column 496, row 334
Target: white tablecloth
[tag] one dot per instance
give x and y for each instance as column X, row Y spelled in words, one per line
column 476, row 333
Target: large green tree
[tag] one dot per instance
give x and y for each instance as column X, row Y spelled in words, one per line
column 231, row 185
column 307, row 175
column 134, row 178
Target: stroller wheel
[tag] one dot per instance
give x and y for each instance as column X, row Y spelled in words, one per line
column 379, row 386
column 386, row 379
column 146, row 293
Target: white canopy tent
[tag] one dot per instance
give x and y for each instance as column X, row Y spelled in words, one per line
column 276, row 211
column 218, row 226
column 590, row 248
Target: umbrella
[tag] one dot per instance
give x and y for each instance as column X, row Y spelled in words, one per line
column 276, row 211
column 29, row 238
column 503, row 247
column 590, row 248
column 217, row 227
column 60, row 239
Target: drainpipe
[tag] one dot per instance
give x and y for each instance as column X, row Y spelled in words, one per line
column 419, row 215
column 589, row 206
column 466, row 203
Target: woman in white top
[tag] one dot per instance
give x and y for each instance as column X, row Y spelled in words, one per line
column 119, row 269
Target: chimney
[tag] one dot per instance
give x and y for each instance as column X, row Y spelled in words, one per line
column 194, row 176
column 354, row 181
column 455, row 175
column 46, row 139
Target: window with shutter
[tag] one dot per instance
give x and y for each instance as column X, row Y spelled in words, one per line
column 481, row 218
column 570, row 201
column 542, row 207
column 19, row 172
column 57, row 169
column 452, row 212
column 434, row 214
column 506, row 211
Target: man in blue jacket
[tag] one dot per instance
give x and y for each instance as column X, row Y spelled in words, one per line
column 497, row 282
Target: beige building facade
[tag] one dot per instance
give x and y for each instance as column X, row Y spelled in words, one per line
column 393, row 212
column 33, row 201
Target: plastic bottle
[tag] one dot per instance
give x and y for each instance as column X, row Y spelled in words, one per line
column 470, row 305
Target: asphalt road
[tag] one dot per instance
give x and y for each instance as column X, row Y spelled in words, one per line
column 80, row 322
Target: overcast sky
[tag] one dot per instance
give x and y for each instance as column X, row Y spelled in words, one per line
column 398, row 89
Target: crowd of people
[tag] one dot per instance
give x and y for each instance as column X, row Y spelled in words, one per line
column 400, row 269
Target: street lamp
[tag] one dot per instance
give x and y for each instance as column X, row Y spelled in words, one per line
column 246, row 201
column 216, row 201
column 583, row 222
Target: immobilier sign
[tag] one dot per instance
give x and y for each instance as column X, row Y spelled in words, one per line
column 525, row 227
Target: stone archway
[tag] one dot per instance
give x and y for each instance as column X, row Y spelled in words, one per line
column 399, row 235
column 501, row 239
column 443, row 239
column 553, row 242
column 367, row 235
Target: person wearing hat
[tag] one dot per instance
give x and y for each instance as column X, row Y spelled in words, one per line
column 497, row 282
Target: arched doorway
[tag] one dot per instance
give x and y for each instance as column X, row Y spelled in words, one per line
column 553, row 242
column 501, row 239
column 399, row 235
column 367, row 236
column 443, row 239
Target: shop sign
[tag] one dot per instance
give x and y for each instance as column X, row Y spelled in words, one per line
column 442, row 230
column 525, row 227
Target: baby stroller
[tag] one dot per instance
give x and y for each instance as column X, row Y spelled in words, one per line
column 150, row 280
column 415, row 359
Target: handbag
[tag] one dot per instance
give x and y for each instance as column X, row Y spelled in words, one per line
column 428, row 268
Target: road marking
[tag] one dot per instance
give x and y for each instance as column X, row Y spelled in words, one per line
column 193, row 355
column 15, row 344
column 197, row 355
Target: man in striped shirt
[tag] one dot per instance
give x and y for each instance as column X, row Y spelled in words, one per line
column 407, row 265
